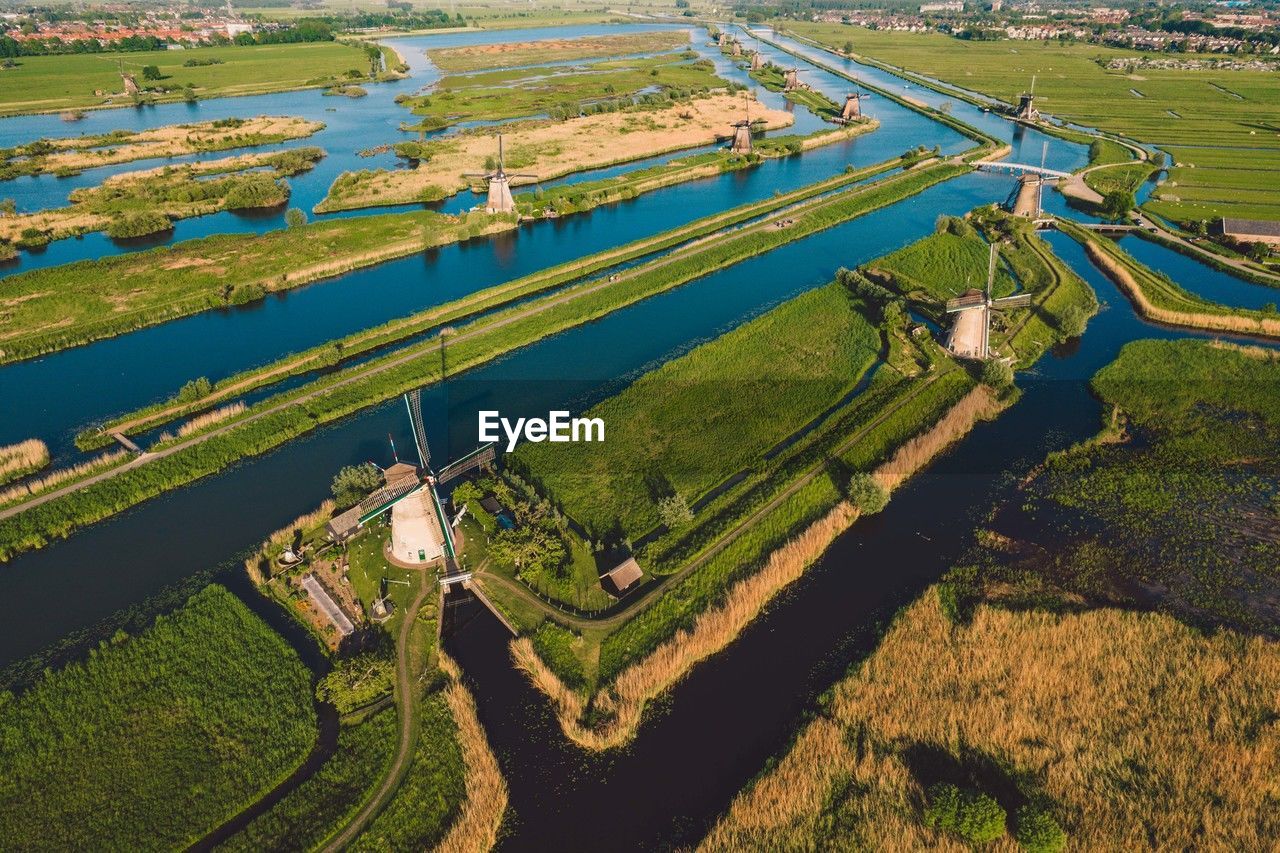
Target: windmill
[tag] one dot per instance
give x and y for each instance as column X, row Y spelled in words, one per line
column 791, row 80
column 1027, row 104
column 757, row 60
column 852, row 110
column 420, row 529
column 742, row 131
column 971, row 332
column 500, row 200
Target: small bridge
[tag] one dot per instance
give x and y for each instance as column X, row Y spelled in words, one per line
column 1022, row 168
column 1110, row 227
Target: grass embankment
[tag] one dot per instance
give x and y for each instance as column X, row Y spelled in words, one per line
column 1129, row 731
column 779, row 547
column 1159, row 298
column 1123, row 177
column 482, row 57
column 72, row 304
column 1217, row 123
column 605, row 86
column 73, row 154
column 942, row 266
column 691, row 424
column 158, row 738
column 135, row 204
column 1173, row 506
column 21, row 459
column 774, row 79
column 290, row 414
column 328, row 354
column 68, row 81
column 547, row 148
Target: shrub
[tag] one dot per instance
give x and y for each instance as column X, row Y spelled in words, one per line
column 866, row 494
column 353, row 482
column 674, row 512
column 1038, row 831
column 997, row 374
column 1073, row 321
column 972, row 815
column 295, row 218
column 138, row 225
column 196, row 389
column 356, row 682
column 258, row 190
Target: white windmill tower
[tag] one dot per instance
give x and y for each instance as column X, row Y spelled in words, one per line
column 500, row 200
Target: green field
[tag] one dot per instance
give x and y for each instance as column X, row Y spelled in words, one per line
column 484, row 57
column 156, row 739
column 51, row 83
column 696, row 421
column 1227, row 119
column 506, row 94
column 944, row 265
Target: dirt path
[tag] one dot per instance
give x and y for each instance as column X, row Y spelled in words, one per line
column 483, row 577
column 406, row 707
column 373, row 370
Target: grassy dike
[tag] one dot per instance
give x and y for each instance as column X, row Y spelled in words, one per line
column 1158, row 298
column 287, row 415
column 360, row 343
column 84, row 301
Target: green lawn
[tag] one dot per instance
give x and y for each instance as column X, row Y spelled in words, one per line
column 944, row 265
column 1231, row 118
column 49, row 83
column 696, row 421
column 155, row 739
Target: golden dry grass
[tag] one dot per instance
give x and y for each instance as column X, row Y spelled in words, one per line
column 201, row 421
column 1143, row 733
column 476, row 828
column 17, row 460
column 62, row 475
column 254, row 563
column 550, row 149
column 716, row 628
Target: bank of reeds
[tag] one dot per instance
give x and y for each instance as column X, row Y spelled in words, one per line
column 199, row 422
column 1138, row 732
column 622, row 704
column 475, row 829
column 62, row 476
column 21, row 459
column 277, row 540
column 1155, row 299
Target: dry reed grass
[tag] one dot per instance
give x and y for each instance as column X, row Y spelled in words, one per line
column 623, row 703
column 253, row 563
column 1264, row 326
column 476, row 827
column 17, row 460
column 1143, row 732
column 62, row 475
column 199, row 422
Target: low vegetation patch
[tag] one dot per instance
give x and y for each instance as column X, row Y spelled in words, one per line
column 21, row 459
column 482, row 57
column 187, row 723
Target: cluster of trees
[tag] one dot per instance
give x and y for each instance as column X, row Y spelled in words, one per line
column 539, row 541
column 353, row 482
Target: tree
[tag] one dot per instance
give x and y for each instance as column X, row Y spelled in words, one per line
column 1259, row 251
column 1073, row 321
column 970, row 814
column 151, row 72
column 355, row 682
column 1117, row 203
column 848, row 47
column 195, row 389
column 530, row 548
column 295, row 218
column 1038, row 832
column 997, row 374
column 674, row 512
column 465, row 492
column 867, row 494
column 353, row 482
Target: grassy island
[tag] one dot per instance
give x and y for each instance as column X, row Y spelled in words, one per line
column 72, row 155
column 156, row 739
column 135, row 204
column 483, row 57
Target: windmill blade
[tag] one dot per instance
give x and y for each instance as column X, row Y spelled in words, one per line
column 413, row 402
column 964, row 303
column 1018, row 300
column 991, row 269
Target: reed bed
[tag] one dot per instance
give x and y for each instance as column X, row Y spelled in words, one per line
column 19, row 460
column 623, row 703
column 1140, row 731
column 199, row 422
column 476, row 828
column 62, row 475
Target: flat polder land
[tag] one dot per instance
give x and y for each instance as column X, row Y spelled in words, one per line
column 1220, row 127
column 67, row 82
